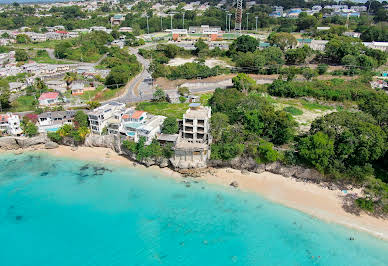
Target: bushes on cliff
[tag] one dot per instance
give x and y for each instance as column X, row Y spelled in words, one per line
column 142, row 151
column 344, row 145
column 29, row 128
column 76, row 133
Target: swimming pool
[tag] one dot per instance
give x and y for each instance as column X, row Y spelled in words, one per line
column 53, row 129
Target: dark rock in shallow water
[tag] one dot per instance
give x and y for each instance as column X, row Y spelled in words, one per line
column 100, row 170
column 18, row 218
column 44, row 174
column 85, row 167
column 234, row 184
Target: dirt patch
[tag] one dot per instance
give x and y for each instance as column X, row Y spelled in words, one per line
column 208, row 62
column 173, row 84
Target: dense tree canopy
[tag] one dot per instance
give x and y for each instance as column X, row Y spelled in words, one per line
column 170, row 126
column 283, row 40
column 244, row 43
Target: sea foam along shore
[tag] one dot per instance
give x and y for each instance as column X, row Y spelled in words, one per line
column 309, row 198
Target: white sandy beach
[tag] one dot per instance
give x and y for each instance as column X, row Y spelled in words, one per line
column 307, row 197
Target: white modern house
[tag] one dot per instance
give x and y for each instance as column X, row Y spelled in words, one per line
column 134, row 124
column 10, row 124
column 52, row 121
column 99, row 118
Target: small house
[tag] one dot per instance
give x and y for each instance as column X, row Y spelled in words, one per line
column 49, row 98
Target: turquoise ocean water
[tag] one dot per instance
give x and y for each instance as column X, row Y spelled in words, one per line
column 67, row 212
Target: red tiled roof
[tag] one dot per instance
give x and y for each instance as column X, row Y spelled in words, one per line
column 4, row 118
column 61, row 31
column 137, row 114
column 48, row 95
column 125, row 116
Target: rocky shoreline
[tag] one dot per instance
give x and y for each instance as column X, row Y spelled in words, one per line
column 244, row 164
column 293, row 186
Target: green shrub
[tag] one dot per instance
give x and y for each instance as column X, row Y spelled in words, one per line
column 322, row 69
column 182, row 99
column 54, row 136
column 365, row 204
column 170, row 126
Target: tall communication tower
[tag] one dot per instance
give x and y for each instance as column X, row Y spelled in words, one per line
column 239, row 4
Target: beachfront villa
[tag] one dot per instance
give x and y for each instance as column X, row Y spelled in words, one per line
column 52, row 121
column 10, row 124
column 134, row 124
column 101, row 117
column 192, row 147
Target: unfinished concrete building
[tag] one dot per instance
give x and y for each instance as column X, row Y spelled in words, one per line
column 192, row 147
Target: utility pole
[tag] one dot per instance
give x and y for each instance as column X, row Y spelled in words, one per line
column 230, row 18
column 256, row 22
column 148, row 28
column 226, row 22
column 171, row 20
column 183, row 20
column 248, row 21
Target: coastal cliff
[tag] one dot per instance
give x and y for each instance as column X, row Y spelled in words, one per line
column 14, row 143
column 113, row 142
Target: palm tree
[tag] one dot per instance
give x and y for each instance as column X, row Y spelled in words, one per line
column 40, row 85
column 69, row 78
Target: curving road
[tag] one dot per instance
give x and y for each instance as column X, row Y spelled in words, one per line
column 139, row 88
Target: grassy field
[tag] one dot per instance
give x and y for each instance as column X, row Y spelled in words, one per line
column 205, row 98
column 99, row 94
column 41, row 56
column 315, row 106
column 293, row 110
column 23, row 103
column 175, row 110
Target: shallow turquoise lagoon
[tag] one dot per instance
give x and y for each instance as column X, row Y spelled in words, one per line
column 67, row 212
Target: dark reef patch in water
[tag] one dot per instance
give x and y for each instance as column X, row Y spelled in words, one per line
column 44, row 173
column 18, row 218
column 88, row 171
column 85, row 167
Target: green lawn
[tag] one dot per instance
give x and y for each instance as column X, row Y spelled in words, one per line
column 43, row 57
column 23, row 103
column 205, row 98
column 91, row 94
column 175, row 110
column 77, row 55
column 315, row 106
column 109, row 94
column 293, row 110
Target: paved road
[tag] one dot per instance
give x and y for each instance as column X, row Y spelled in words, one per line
column 139, row 88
